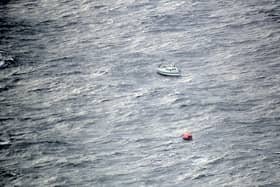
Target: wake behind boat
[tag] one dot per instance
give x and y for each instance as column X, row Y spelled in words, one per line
column 168, row 70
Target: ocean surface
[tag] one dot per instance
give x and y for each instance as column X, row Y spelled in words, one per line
column 81, row 103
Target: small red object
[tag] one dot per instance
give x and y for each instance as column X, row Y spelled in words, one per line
column 187, row 136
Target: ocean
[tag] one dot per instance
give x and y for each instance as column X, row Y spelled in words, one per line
column 81, row 103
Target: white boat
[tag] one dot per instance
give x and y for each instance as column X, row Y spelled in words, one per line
column 168, row 70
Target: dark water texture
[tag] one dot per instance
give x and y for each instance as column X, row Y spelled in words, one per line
column 81, row 104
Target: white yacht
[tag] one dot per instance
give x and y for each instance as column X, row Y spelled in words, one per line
column 168, row 70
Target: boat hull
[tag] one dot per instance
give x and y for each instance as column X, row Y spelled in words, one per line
column 169, row 74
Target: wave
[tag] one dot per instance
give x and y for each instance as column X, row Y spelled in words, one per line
column 6, row 59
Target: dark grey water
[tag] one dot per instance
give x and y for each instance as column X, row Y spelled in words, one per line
column 81, row 104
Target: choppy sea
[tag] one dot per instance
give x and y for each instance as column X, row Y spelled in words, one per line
column 81, row 103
